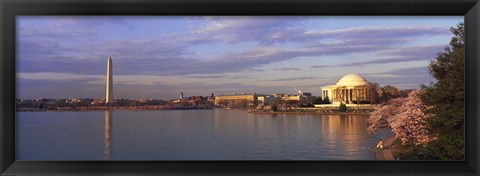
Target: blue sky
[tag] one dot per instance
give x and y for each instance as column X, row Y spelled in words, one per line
column 160, row 56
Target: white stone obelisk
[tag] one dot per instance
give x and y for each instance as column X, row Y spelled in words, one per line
column 109, row 90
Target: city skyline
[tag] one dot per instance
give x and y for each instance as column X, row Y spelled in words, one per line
column 159, row 57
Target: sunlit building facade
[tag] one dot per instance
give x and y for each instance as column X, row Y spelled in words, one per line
column 351, row 89
column 236, row 99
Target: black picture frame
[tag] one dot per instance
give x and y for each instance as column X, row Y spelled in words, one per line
column 470, row 9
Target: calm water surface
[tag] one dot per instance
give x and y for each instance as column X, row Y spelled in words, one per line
column 192, row 135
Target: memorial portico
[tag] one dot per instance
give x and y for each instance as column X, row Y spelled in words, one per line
column 351, row 89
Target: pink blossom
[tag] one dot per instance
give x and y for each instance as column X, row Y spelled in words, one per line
column 405, row 117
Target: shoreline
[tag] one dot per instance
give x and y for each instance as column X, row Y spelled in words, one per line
column 386, row 153
column 315, row 113
column 115, row 109
column 120, row 110
column 152, row 109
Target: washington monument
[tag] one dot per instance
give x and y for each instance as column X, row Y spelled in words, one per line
column 109, row 90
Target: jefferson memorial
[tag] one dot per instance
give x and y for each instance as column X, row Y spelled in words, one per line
column 351, row 89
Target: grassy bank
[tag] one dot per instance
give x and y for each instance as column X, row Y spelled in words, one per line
column 408, row 153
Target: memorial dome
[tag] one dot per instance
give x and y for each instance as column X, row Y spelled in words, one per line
column 352, row 80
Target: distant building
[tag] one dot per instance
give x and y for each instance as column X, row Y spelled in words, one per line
column 195, row 99
column 351, row 89
column 211, row 99
column 306, row 94
column 266, row 99
column 237, row 99
column 298, row 97
column 98, row 102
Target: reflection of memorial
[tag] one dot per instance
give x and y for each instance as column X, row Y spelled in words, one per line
column 107, row 150
column 346, row 130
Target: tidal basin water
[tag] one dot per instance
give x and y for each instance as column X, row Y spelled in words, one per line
column 217, row 134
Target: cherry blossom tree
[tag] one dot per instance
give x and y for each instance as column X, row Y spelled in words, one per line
column 406, row 118
column 379, row 118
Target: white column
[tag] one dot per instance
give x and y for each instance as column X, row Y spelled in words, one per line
column 356, row 94
column 361, row 94
column 350, row 94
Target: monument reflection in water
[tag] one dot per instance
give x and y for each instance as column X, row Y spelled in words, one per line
column 107, row 151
